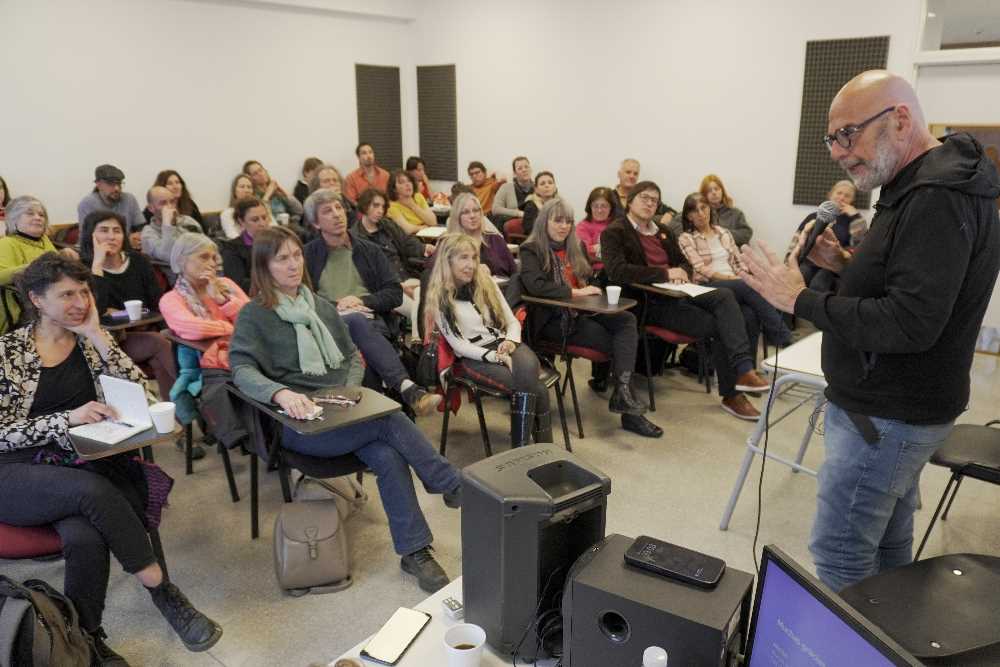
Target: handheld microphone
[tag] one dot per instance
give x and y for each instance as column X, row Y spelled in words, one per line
column 825, row 215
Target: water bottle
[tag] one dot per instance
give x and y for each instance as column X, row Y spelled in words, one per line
column 654, row 656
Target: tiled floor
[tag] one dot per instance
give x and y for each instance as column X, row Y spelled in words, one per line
column 674, row 488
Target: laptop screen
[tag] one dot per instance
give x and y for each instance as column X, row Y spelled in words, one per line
column 798, row 621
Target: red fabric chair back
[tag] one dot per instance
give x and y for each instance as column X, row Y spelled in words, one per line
column 28, row 541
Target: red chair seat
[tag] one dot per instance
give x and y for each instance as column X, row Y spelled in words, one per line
column 588, row 353
column 28, row 541
column 579, row 351
column 669, row 335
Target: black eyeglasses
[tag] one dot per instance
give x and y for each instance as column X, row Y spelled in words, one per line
column 845, row 135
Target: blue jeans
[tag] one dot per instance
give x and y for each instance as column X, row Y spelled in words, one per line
column 775, row 329
column 378, row 352
column 867, row 495
column 390, row 446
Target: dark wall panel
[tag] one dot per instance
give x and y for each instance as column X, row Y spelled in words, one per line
column 829, row 65
column 438, row 121
column 378, row 112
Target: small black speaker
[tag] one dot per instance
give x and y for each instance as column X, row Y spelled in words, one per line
column 612, row 612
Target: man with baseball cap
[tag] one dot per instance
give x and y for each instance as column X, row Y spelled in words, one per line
column 108, row 196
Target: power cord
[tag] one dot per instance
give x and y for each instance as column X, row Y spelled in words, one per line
column 763, row 460
column 536, row 619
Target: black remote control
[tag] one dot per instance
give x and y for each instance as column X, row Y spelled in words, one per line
column 670, row 560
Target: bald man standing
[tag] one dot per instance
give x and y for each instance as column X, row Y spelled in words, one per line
column 900, row 332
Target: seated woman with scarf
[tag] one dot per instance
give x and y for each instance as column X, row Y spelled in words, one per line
column 289, row 343
column 203, row 306
column 554, row 266
column 466, row 306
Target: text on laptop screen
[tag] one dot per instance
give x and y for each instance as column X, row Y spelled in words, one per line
column 795, row 629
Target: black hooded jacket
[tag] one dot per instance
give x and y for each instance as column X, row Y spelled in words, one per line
column 900, row 332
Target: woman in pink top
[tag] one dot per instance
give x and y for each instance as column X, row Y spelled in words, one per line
column 203, row 306
column 589, row 229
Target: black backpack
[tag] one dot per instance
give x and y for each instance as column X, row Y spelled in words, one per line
column 39, row 627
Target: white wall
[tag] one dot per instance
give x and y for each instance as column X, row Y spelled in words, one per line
column 964, row 95
column 195, row 86
column 687, row 86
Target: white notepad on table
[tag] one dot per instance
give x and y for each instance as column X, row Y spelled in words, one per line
column 685, row 288
column 431, row 232
column 129, row 401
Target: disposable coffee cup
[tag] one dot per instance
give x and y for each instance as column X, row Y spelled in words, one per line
column 283, row 219
column 463, row 645
column 163, row 416
column 134, row 309
column 614, row 292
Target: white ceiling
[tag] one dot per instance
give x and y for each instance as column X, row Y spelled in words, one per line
column 967, row 20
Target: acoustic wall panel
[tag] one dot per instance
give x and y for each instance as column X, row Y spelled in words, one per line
column 829, row 65
column 378, row 112
column 438, row 121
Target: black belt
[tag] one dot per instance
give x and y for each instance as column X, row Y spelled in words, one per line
column 865, row 426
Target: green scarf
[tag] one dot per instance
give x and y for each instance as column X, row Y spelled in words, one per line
column 317, row 349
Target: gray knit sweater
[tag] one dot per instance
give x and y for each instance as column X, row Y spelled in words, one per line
column 265, row 359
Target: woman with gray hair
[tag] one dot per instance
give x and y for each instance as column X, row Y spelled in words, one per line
column 554, row 265
column 203, row 306
column 26, row 223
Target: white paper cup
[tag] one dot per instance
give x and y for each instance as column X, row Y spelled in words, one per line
column 283, row 219
column 163, row 416
column 134, row 309
column 471, row 638
column 614, row 292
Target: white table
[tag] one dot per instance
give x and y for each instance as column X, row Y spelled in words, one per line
column 428, row 648
column 798, row 364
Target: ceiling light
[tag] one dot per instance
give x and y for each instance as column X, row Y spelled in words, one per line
column 931, row 15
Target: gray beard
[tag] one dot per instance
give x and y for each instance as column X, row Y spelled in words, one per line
column 880, row 168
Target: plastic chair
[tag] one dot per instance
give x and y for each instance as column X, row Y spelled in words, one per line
column 970, row 451
column 943, row 610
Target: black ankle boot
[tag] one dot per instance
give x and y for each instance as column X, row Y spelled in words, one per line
column 522, row 418
column 623, row 401
column 197, row 631
column 103, row 655
column 543, row 427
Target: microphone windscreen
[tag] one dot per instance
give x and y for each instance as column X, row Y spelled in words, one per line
column 827, row 212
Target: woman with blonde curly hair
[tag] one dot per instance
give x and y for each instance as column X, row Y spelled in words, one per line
column 466, row 306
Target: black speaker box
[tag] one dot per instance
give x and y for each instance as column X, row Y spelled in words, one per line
column 527, row 515
column 612, row 612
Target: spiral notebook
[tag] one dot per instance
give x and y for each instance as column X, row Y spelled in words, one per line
column 128, row 400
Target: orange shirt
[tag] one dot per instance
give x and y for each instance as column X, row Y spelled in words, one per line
column 486, row 192
column 356, row 182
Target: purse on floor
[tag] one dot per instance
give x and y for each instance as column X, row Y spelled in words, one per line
column 311, row 550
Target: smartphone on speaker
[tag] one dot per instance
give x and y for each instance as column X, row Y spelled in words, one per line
column 670, row 560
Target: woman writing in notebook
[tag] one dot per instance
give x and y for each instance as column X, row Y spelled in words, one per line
column 48, row 384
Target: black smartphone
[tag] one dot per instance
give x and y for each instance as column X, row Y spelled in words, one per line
column 670, row 560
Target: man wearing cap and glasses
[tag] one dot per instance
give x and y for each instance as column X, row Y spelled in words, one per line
column 901, row 329
column 108, row 196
